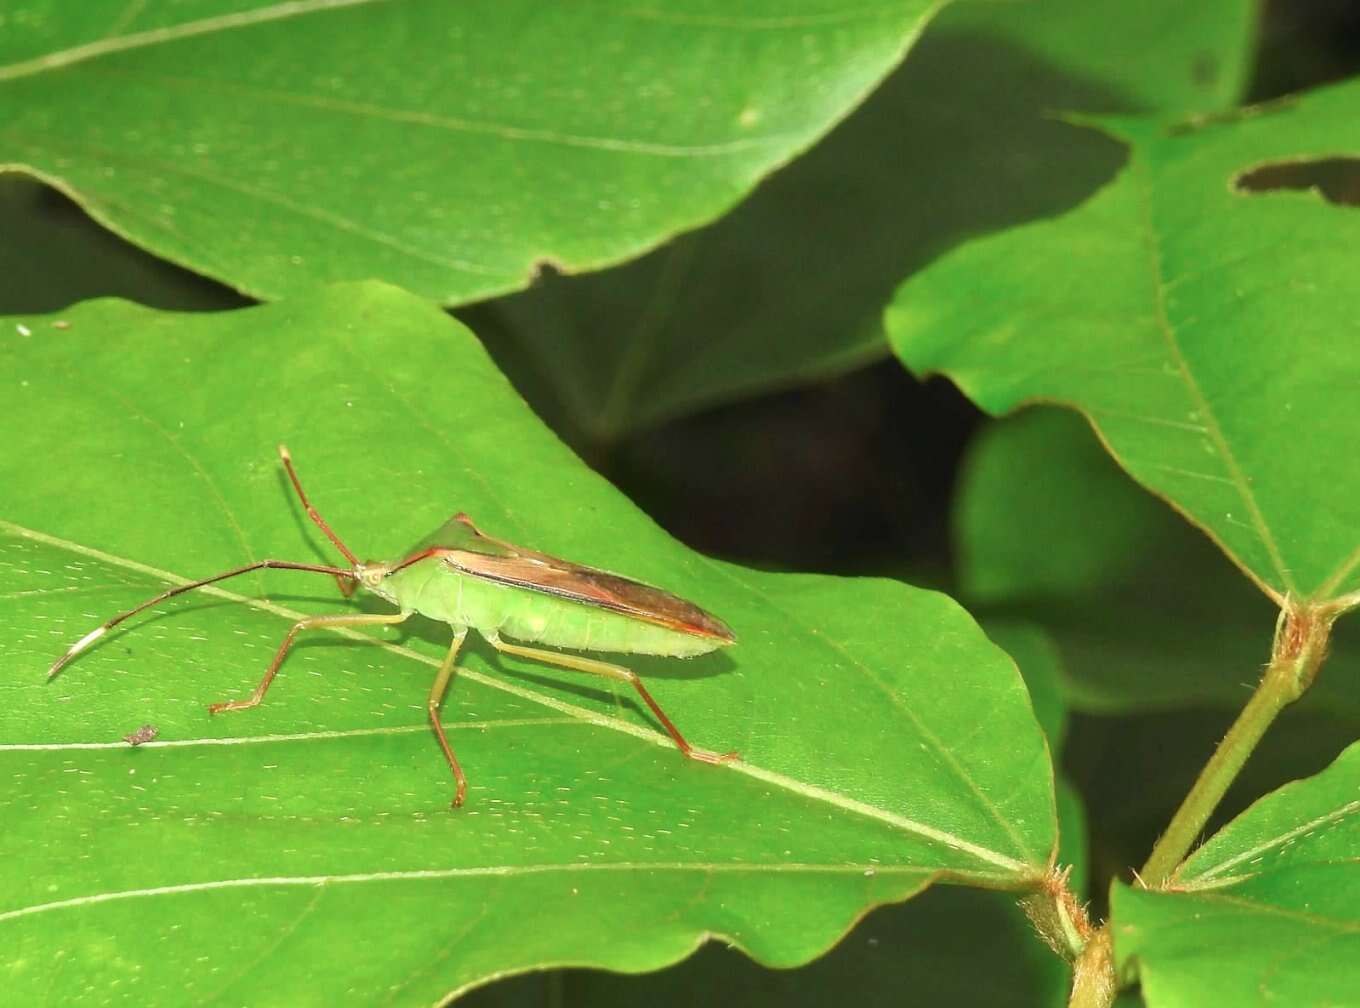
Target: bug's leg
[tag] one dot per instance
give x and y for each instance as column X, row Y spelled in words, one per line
column 620, row 674
column 312, row 622
column 437, row 691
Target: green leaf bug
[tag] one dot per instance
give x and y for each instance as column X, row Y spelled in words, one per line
column 461, row 576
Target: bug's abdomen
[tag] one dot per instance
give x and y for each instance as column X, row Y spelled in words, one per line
column 531, row 616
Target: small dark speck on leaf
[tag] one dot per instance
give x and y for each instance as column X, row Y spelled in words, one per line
column 1204, row 69
column 143, row 734
column 1336, row 179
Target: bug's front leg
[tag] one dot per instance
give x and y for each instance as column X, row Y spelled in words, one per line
column 312, row 622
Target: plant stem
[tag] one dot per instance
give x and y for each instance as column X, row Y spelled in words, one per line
column 1093, row 979
column 1300, row 645
column 1057, row 916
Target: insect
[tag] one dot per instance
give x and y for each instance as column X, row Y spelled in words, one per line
column 461, row 576
column 142, row 735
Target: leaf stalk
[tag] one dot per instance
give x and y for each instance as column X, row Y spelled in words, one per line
column 1059, row 919
column 1301, row 637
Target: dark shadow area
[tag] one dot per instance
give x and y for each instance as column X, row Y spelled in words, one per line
column 835, row 475
column 1304, row 44
column 53, row 255
column 954, row 946
column 850, row 476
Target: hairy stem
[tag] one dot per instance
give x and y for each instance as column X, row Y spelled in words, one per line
column 1300, row 645
column 1093, row 978
column 1057, row 916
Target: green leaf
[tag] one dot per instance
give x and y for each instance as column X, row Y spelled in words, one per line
column 1146, row 611
column 1267, row 912
column 1164, row 55
column 1303, row 823
column 1206, row 332
column 450, row 148
column 1038, row 660
column 1021, row 538
column 790, row 286
column 886, row 743
column 947, row 946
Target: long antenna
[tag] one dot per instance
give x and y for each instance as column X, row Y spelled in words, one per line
column 311, row 511
column 104, row 628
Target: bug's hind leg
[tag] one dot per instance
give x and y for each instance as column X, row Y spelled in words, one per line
column 620, row 674
column 312, row 622
column 437, row 691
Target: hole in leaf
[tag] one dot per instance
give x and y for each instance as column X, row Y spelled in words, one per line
column 1336, row 179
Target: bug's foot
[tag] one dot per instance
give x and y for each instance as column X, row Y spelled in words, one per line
column 218, row 708
column 704, row 756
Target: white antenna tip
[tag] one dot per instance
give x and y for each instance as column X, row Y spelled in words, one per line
column 87, row 640
column 76, row 648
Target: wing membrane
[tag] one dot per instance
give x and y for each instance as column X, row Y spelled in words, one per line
column 479, row 555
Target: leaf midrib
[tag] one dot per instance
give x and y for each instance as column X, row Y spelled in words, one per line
column 157, row 36
column 485, row 871
column 1143, row 188
column 1016, row 870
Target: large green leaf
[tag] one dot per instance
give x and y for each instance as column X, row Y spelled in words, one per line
column 304, row 850
column 1146, row 612
column 948, row 946
column 790, row 286
column 449, row 148
column 1266, row 913
column 1209, row 334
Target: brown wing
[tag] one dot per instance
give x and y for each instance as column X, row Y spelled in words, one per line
column 483, row 556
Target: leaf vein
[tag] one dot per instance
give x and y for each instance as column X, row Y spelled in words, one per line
column 1205, row 409
column 1336, row 815
column 440, row 874
column 156, row 36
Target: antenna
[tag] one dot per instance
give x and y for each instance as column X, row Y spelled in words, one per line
column 311, row 511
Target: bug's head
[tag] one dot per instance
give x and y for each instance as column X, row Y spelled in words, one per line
column 372, row 575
